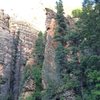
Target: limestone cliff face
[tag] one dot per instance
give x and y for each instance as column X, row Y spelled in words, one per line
column 17, row 41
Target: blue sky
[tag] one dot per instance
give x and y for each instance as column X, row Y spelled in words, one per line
column 33, row 10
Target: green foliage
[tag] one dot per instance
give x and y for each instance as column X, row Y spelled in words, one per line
column 39, row 48
column 36, row 73
column 50, row 92
column 37, row 95
column 87, row 70
column 84, row 52
column 61, row 28
column 29, row 98
column 37, row 68
column 76, row 13
column 60, row 57
column 27, row 73
column 60, row 33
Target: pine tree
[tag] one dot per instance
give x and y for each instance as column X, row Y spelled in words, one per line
column 60, row 33
column 61, row 29
column 85, row 41
column 39, row 49
column 89, row 48
column 60, row 58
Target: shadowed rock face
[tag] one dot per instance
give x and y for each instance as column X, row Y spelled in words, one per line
column 6, row 44
column 17, row 41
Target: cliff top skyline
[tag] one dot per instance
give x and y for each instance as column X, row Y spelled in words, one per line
column 33, row 12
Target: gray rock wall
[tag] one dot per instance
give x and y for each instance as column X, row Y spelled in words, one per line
column 6, row 46
column 49, row 73
column 15, row 51
column 26, row 40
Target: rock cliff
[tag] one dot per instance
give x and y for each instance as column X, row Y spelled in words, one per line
column 49, row 66
column 6, row 45
column 27, row 37
column 17, row 41
column 50, row 76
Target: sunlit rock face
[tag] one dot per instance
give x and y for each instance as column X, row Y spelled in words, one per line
column 50, row 75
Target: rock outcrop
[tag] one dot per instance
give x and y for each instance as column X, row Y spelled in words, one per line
column 28, row 88
column 27, row 38
column 49, row 67
column 50, row 76
column 17, row 41
column 6, row 45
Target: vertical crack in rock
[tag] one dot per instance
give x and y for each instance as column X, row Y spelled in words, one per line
column 24, row 41
column 15, row 69
column 23, row 55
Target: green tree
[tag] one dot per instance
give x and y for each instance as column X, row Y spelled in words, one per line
column 60, row 58
column 59, row 37
column 37, row 68
column 76, row 13
column 39, row 49
column 89, row 49
column 61, row 28
column 84, row 51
